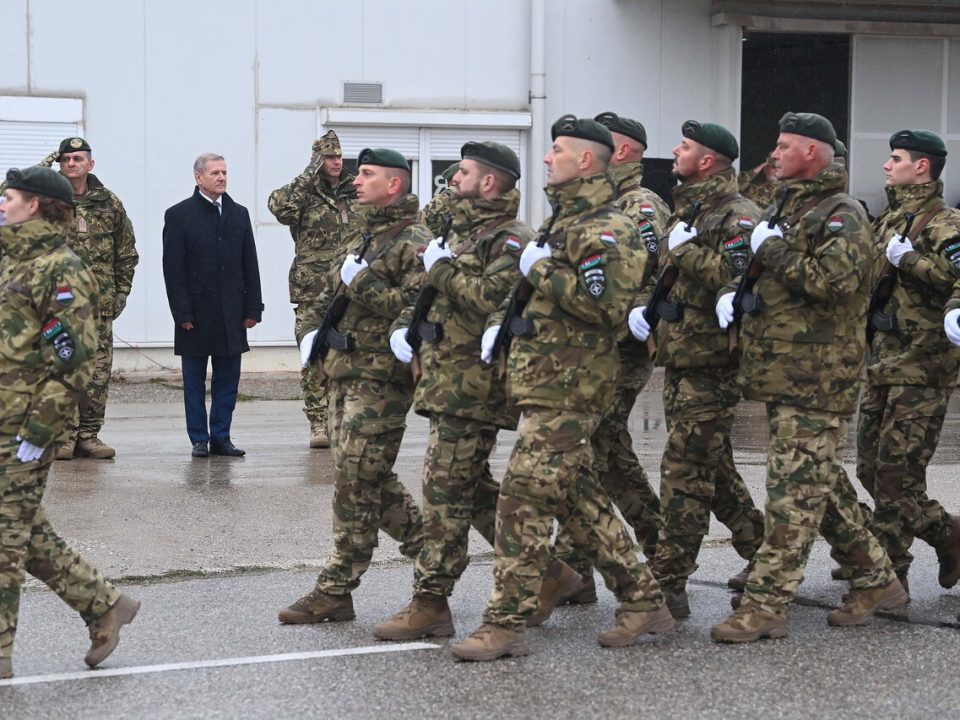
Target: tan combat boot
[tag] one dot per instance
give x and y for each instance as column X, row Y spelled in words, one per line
column 94, row 448
column 631, row 624
column 318, row 435
column 948, row 553
column 425, row 616
column 860, row 604
column 6, row 668
column 105, row 630
column 318, row 607
column 586, row 595
column 65, row 451
column 677, row 603
column 489, row 642
column 560, row 582
column 739, row 581
column 750, row 623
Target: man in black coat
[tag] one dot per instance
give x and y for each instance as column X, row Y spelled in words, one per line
column 213, row 287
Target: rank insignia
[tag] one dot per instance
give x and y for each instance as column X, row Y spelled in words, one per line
column 607, row 238
column 64, row 295
column 835, row 224
column 512, row 243
column 746, row 223
column 81, row 224
column 647, row 209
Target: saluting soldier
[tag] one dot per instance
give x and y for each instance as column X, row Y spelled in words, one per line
column 440, row 204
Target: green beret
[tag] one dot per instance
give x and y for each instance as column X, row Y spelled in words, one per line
column 839, row 149
column 583, row 128
column 38, row 180
column 328, row 145
column 922, row 141
column 384, row 157
column 73, row 144
column 450, row 172
column 716, row 137
column 624, row 126
column 493, row 154
column 809, row 125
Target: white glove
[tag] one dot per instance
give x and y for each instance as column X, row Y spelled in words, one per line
column 725, row 310
column 897, row 247
column 28, row 452
column 951, row 326
column 638, row 323
column 434, row 252
column 679, row 235
column 306, row 345
column 763, row 232
column 486, row 343
column 351, row 266
column 531, row 254
column 401, row 348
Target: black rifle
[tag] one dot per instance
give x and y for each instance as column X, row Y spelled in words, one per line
column 327, row 334
column 419, row 329
column 877, row 319
column 743, row 299
column 665, row 281
column 513, row 324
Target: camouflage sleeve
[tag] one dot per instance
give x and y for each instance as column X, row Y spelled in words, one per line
column 431, row 214
column 125, row 256
column 954, row 302
column 483, row 293
column 65, row 303
column 939, row 268
column 48, row 161
column 721, row 258
column 836, row 268
column 285, row 203
column 391, row 284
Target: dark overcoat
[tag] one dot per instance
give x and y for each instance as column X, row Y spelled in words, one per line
column 211, row 274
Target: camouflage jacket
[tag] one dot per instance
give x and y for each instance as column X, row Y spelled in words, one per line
column 806, row 346
column 432, row 213
column 579, row 306
column 48, row 331
column 486, row 242
column 379, row 293
column 918, row 353
column 321, row 219
column 717, row 256
column 755, row 186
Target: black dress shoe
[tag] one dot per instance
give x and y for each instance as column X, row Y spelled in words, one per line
column 200, row 450
column 225, row 447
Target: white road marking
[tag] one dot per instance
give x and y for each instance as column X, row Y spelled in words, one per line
column 224, row 662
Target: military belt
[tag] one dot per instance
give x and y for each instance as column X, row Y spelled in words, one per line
column 671, row 312
column 339, row 341
column 431, row 332
column 883, row 322
column 752, row 303
column 521, row 327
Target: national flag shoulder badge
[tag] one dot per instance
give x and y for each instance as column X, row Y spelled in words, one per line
column 608, row 238
column 64, row 295
column 512, row 243
column 647, row 209
column 745, row 222
column 835, row 224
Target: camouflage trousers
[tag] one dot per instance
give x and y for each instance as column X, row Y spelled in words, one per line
column 313, row 386
column 897, row 434
column 698, row 475
column 93, row 402
column 804, row 482
column 549, row 477
column 458, row 491
column 367, row 420
column 620, row 473
column 29, row 544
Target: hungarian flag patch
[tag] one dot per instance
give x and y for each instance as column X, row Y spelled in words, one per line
column 512, row 243
column 607, row 238
column 64, row 295
column 733, row 243
column 835, row 224
column 52, row 327
column 745, row 222
column 647, row 209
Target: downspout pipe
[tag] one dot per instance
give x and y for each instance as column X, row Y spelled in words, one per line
column 538, row 102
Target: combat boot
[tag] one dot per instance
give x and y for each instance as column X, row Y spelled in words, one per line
column 738, row 582
column 750, row 623
column 560, row 582
column 105, row 630
column 948, row 553
column 425, row 616
column 318, row 606
column 586, row 595
column 678, row 603
column 631, row 624
column 65, row 451
column 6, row 668
column 94, row 448
column 860, row 604
column 489, row 642
column 318, row 435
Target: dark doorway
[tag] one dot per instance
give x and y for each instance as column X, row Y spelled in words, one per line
column 791, row 72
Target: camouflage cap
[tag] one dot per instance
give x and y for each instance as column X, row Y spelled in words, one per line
column 839, row 149
column 450, row 172
column 73, row 144
column 713, row 136
column 41, row 181
column 809, row 125
column 493, row 154
column 583, row 128
column 328, row 144
column 384, row 157
column 922, row 141
column 624, row 126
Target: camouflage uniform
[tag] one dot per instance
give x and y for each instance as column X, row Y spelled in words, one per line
column 48, row 332
column 755, row 186
column 615, row 462
column 700, row 394
column 803, row 356
column 371, row 393
column 320, row 218
column 432, row 213
column 464, row 399
column 911, row 374
column 563, row 377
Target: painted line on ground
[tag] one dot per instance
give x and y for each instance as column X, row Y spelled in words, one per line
column 224, row 662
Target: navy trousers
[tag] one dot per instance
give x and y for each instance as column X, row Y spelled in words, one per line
column 223, row 395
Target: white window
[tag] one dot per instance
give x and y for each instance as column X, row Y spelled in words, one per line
column 32, row 127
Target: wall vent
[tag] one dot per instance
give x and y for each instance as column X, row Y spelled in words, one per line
column 369, row 93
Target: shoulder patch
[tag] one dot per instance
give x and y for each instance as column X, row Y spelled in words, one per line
column 952, row 253
column 51, row 328
column 835, row 224
column 733, row 243
column 745, row 222
column 63, row 346
column 64, row 295
column 512, row 243
column 590, row 262
column 608, row 238
column 647, row 209
column 594, row 275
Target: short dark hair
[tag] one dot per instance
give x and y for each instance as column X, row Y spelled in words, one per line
column 52, row 209
column 936, row 162
column 503, row 181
